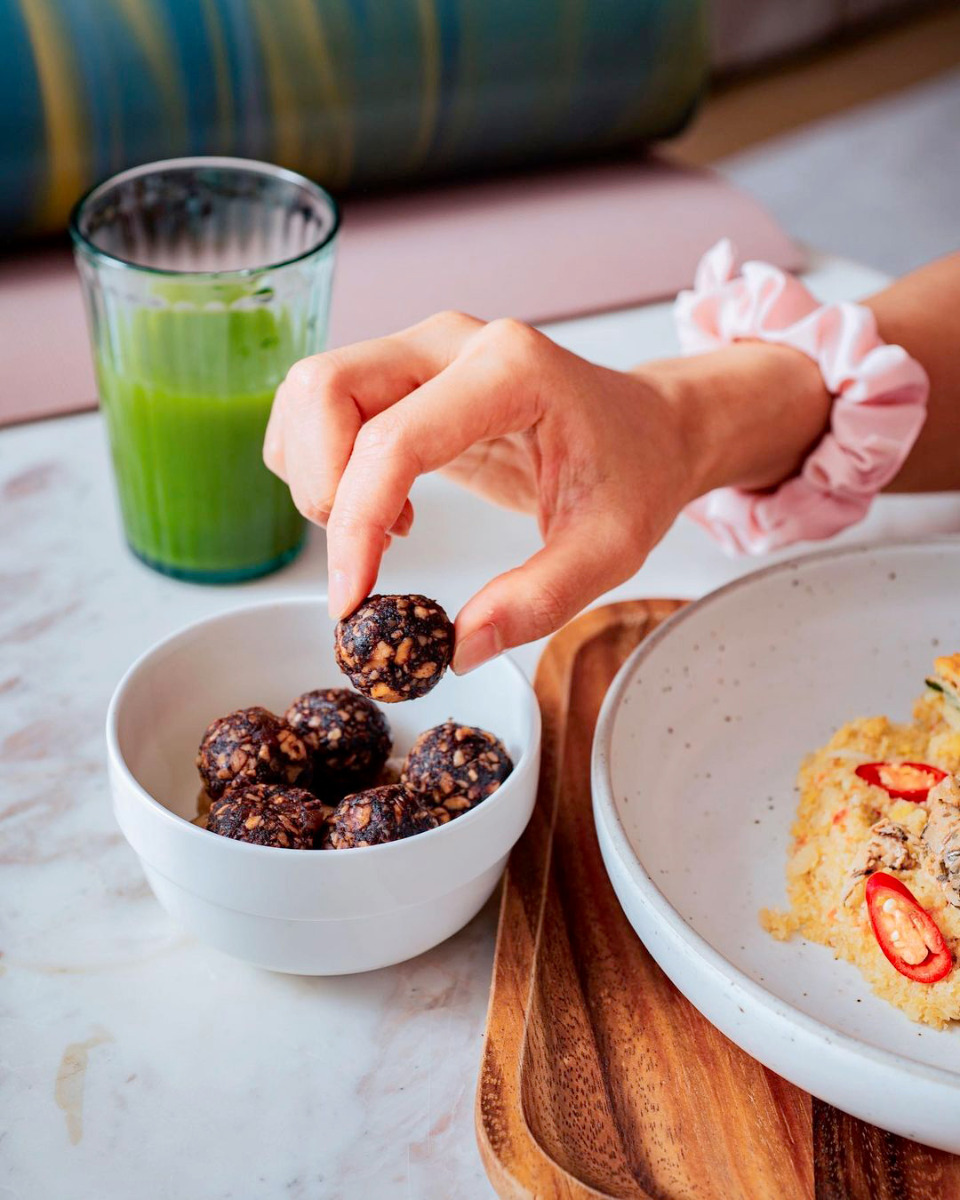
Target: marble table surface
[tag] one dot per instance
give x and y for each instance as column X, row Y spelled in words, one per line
column 136, row 1062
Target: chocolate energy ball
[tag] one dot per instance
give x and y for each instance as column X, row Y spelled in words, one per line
column 456, row 766
column 346, row 734
column 253, row 745
column 395, row 648
column 380, row 814
column 269, row 814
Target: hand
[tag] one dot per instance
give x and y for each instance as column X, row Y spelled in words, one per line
column 598, row 455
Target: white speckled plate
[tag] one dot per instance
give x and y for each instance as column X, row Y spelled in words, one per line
column 694, row 762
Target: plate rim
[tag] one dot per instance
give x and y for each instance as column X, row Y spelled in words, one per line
column 648, row 892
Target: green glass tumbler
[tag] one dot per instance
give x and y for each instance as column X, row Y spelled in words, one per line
column 204, row 279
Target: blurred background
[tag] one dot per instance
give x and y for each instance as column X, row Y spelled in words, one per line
column 842, row 116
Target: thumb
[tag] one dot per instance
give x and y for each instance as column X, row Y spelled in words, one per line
column 582, row 559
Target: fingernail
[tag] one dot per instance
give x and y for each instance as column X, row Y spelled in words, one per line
column 339, row 595
column 478, row 648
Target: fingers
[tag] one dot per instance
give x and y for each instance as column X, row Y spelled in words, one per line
column 273, row 456
column 321, row 405
column 315, row 475
column 475, row 398
column 582, row 560
column 320, row 421
column 404, row 523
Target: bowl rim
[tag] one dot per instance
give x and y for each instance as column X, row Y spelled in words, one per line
column 643, row 884
column 118, row 762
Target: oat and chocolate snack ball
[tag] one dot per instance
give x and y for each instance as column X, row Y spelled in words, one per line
column 395, row 647
column 346, row 734
column 269, row 814
column 456, row 766
column 380, row 814
column 251, row 744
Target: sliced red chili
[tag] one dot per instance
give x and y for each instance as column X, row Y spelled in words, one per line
column 902, row 780
column 906, row 933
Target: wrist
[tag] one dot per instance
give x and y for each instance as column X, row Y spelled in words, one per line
column 748, row 414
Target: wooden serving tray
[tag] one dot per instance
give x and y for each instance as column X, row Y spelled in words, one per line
column 598, row 1078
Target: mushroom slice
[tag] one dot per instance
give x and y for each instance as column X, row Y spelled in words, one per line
column 889, row 847
column 941, row 837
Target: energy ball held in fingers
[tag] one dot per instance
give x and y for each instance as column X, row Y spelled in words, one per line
column 346, row 734
column 269, row 814
column 253, row 745
column 378, row 815
column 456, row 766
column 395, row 648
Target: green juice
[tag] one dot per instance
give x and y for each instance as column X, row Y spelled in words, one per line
column 187, row 395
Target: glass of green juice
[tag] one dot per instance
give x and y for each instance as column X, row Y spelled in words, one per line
column 204, row 280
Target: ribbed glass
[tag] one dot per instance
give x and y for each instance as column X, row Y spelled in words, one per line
column 204, row 279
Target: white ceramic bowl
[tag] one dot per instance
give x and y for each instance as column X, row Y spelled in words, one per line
column 695, row 757
column 305, row 911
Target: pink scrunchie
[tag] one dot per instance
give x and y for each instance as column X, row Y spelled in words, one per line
column 879, row 407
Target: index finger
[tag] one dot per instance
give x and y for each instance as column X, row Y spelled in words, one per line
column 480, row 396
column 324, row 400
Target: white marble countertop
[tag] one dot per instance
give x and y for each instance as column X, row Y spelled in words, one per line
column 137, row 1063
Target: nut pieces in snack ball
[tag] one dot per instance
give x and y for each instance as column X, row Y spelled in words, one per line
column 269, row 814
column 378, row 815
column 395, row 648
column 456, row 766
column 251, row 744
column 346, row 735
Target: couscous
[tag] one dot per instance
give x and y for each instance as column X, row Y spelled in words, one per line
column 874, row 867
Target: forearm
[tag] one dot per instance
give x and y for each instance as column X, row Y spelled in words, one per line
column 750, row 413
column 753, row 411
column 921, row 312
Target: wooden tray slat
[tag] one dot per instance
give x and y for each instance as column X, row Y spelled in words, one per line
column 598, row 1078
